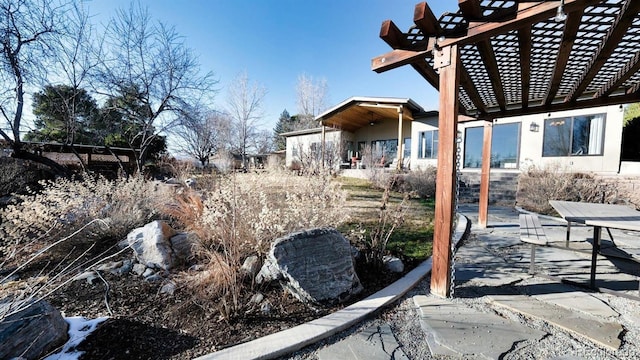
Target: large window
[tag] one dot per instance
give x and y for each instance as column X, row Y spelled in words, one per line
column 573, row 136
column 428, row 144
column 504, row 146
column 407, row 148
column 385, row 148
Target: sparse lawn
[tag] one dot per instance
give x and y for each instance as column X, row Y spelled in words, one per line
column 412, row 240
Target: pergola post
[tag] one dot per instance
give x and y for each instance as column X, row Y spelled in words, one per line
column 447, row 61
column 483, row 206
column 324, row 139
column 400, row 144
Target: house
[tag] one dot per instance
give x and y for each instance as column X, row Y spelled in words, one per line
column 399, row 133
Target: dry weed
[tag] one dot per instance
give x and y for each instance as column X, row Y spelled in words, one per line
column 241, row 217
column 536, row 186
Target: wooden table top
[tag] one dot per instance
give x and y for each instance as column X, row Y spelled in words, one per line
column 603, row 215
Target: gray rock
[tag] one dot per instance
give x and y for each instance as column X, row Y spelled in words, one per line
column 139, row 269
column 151, row 244
column 182, row 245
column 313, row 265
column 393, row 264
column 147, row 272
column 32, row 332
column 126, row 267
column 168, row 288
column 250, row 266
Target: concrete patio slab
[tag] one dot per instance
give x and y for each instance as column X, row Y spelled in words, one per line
column 455, row 329
column 374, row 343
column 480, row 276
column 571, row 299
column 604, row 333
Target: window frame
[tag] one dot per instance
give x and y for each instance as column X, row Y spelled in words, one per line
column 572, row 120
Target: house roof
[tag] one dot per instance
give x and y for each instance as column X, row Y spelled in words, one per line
column 524, row 57
column 357, row 112
column 305, row 132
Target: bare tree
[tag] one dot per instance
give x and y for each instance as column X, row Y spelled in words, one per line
column 263, row 142
column 312, row 100
column 244, row 102
column 202, row 134
column 150, row 61
column 28, row 33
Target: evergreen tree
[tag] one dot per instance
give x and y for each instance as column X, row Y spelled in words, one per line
column 283, row 125
column 64, row 114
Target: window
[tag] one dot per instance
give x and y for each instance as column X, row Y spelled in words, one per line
column 386, row 148
column 407, row 148
column 573, row 136
column 504, row 146
column 428, row 144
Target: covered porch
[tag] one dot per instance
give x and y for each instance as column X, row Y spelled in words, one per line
column 376, row 131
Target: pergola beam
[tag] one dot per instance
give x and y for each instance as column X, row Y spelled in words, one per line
column 428, row 73
column 390, row 33
column 489, row 58
column 571, row 27
column 630, row 68
column 609, row 44
column 472, row 92
column 524, row 42
column 425, row 20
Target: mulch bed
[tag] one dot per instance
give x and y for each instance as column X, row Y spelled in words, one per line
column 148, row 325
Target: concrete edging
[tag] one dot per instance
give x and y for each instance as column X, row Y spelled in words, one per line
column 293, row 339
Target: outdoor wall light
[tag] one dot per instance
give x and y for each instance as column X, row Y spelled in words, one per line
column 534, row 127
column 560, row 15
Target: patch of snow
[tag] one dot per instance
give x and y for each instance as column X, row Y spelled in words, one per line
column 79, row 329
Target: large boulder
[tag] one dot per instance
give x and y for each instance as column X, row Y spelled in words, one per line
column 152, row 246
column 33, row 332
column 157, row 246
column 314, row 265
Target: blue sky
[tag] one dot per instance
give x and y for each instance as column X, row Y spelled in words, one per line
column 275, row 41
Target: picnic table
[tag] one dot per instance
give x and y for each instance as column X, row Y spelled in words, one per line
column 598, row 216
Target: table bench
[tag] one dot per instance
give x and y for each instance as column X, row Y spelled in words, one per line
column 531, row 232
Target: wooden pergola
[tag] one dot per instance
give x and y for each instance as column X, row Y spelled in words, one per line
column 499, row 58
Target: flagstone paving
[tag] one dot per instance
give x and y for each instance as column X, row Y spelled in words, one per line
column 456, row 329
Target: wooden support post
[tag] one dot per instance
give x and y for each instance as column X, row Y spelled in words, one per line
column 400, row 144
column 324, row 139
column 447, row 60
column 483, row 206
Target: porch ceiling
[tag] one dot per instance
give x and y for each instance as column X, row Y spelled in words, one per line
column 357, row 113
column 518, row 58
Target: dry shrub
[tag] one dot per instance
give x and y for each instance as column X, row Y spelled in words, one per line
column 421, row 182
column 63, row 206
column 536, row 186
column 241, row 217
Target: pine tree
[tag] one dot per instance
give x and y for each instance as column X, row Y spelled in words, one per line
column 283, row 125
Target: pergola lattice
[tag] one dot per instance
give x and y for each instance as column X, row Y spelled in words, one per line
column 503, row 58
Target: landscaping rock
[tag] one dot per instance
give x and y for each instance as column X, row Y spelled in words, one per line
column 90, row 276
column 182, row 245
column 314, row 265
column 168, row 288
column 393, row 264
column 32, row 332
column 251, row 266
column 152, row 246
column 139, row 269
